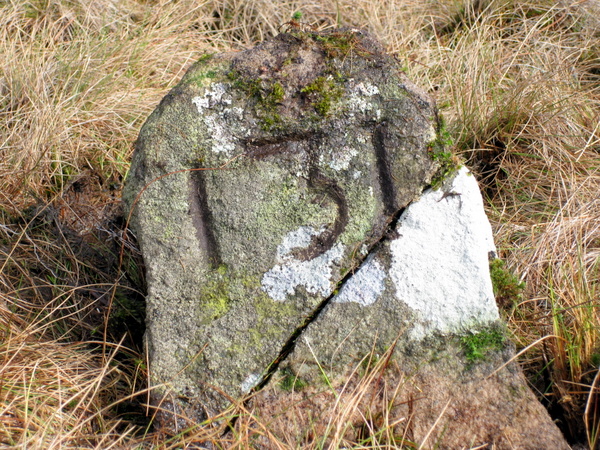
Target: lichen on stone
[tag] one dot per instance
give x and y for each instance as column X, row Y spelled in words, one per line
column 315, row 275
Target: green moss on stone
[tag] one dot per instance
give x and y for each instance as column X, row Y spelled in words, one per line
column 204, row 72
column 206, row 57
column 267, row 96
column 440, row 152
column 337, row 44
column 215, row 295
column 277, row 93
column 323, row 92
column 508, row 290
column 222, row 269
column 291, row 381
column 197, row 79
column 479, row 344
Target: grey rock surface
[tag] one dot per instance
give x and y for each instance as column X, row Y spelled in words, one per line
column 428, row 393
column 313, row 142
column 430, row 277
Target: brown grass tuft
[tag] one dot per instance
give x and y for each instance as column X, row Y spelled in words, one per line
column 54, row 394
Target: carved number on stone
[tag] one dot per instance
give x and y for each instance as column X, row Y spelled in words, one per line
column 324, row 241
column 202, row 218
column 317, row 182
column 383, row 166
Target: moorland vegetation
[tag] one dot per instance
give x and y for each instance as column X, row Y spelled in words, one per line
column 518, row 83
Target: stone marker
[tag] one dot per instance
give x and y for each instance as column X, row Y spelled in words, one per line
column 267, row 191
column 324, row 141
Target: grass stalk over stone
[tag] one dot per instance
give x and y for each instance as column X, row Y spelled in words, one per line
column 517, row 82
column 361, row 412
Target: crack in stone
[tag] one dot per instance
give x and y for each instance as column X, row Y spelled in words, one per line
column 388, row 234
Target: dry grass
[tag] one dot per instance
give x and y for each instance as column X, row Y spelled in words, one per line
column 518, row 84
column 55, row 394
column 362, row 412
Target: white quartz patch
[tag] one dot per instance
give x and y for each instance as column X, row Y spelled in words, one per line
column 220, row 136
column 341, row 160
column 440, row 264
column 367, row 89
column 314, row 275
column 358, row 99
column 365, row 286
column 250, row 381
